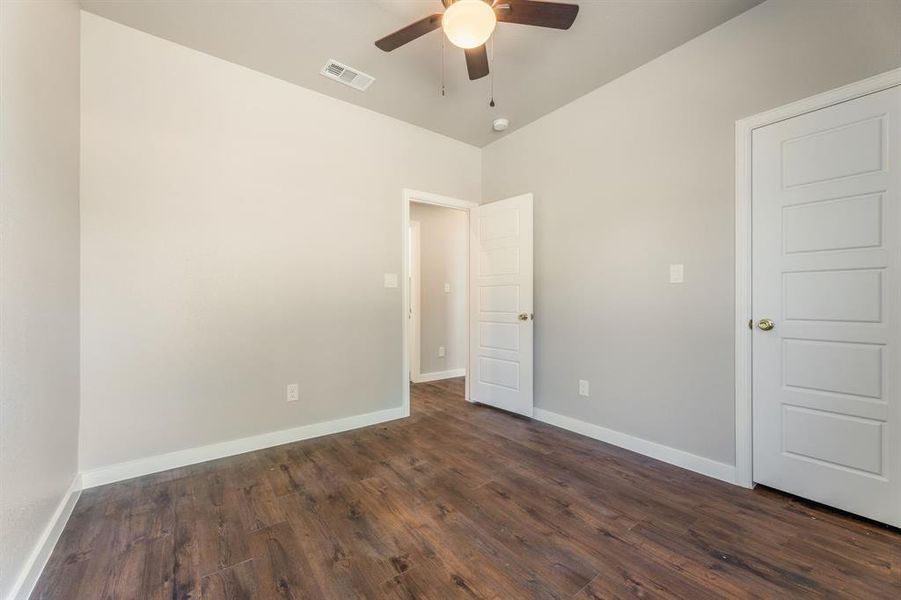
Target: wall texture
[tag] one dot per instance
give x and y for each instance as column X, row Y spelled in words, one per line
column 444, row 242
column 639, row 174
column 39, row 122
column 236, row 229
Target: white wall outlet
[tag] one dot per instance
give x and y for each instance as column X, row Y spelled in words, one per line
column 441, row 352
column 676, row 273
column 583, row 387
column 447, row 288
column 390, row 280
column 293, row 392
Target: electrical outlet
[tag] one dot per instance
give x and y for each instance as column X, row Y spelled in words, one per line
column 293, row 392
column 446, row 288
column 583, row 388
column 441, row 352
column 390, row 280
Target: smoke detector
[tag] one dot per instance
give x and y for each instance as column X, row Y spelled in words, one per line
column 346, row 75
column 500, row 124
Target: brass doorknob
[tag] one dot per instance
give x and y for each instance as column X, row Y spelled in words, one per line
column 766, row 324
column 523, row 316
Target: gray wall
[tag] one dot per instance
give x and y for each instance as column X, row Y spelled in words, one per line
column 639, row 174
column 235, row 233
column 39, row 119
column 444, row 239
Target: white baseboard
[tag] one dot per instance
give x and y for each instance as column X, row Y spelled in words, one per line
column 39, row 556
column 438, row 375
column 667, row 454
column 182, row 458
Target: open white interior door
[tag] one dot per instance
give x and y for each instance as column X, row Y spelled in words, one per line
column 501, row 318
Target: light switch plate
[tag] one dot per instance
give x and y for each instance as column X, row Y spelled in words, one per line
column 676, row 273
column 390, row 280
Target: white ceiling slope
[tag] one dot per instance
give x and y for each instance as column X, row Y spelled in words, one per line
column 536, row 70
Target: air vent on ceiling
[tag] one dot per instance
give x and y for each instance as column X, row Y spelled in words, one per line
column 344, row 74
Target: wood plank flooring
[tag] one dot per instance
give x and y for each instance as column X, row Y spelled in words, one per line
column 459, row 501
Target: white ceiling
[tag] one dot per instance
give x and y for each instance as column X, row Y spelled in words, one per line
column 536, row 70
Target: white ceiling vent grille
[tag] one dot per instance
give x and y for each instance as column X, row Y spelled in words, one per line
column 344, row 74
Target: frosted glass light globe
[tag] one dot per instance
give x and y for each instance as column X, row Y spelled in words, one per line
column 469, row 23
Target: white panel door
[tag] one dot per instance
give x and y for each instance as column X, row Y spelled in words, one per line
column 827, row 254
column 501, row 319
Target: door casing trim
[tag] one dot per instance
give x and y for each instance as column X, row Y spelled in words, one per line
column 744, row 128
column 415, row 292
column 437, row 200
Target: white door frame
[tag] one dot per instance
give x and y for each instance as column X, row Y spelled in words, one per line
column 415, row 281
column 437, row 200
column 743, row 250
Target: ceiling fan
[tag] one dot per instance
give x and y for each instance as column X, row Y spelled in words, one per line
column 469, row 23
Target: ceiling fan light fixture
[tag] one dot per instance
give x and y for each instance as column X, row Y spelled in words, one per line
column 469, row 23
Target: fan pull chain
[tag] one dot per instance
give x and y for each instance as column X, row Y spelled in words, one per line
column 491, row 71
column 443, row 42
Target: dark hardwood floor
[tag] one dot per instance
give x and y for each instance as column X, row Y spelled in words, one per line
column 458, row 501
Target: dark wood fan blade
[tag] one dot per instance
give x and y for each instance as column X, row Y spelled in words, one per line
column 541, row 14
column 409, row 33
column 477, row 62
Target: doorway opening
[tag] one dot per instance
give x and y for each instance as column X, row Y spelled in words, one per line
column 439, row 238
column 436, row 294
column 498, row 298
